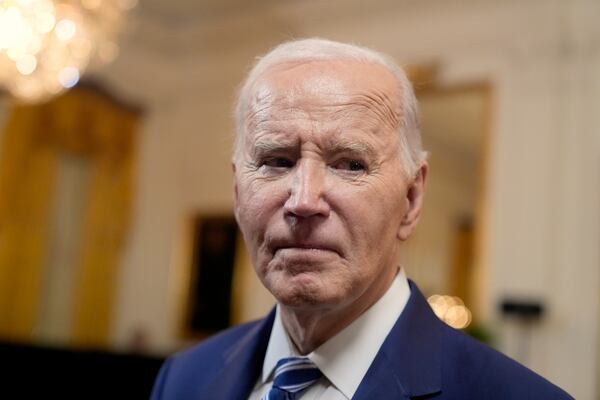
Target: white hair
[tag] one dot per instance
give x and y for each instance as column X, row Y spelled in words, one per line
column 315, row 49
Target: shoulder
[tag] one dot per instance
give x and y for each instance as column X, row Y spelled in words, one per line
column 185, row 371
column 468, row 363
column 457, row 365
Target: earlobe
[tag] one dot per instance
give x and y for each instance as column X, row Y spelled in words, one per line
column 414, row 199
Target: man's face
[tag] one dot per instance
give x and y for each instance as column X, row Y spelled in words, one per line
column 320, row 195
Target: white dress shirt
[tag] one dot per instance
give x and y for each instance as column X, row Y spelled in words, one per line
column 345, row 358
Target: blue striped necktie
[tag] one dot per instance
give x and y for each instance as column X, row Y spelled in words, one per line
column 292, row 375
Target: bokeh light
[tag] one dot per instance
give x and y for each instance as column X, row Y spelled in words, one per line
column 451, row 310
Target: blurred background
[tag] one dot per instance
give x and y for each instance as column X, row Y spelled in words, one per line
column 117, row 239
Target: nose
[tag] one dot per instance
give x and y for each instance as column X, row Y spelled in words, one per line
column 306, row 191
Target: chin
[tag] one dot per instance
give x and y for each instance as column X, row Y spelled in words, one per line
column 304, row 292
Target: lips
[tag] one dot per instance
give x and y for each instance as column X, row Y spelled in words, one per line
column 283, row 244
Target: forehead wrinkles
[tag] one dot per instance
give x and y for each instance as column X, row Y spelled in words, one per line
column 374, row 105
column 370, row 108
column 292, row 95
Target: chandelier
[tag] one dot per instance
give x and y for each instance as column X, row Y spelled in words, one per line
column 46, row 45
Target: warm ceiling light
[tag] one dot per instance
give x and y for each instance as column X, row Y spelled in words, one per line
column 45, row 45
column 65, row 29
column 68, row 77
column 27, row 64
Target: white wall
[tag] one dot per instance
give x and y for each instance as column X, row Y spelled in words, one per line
column 542, row 214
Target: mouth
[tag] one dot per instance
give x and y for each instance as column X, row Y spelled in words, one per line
column 305, row 251
column 304, row 247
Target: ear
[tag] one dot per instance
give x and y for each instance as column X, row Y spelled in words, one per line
column 414, row 200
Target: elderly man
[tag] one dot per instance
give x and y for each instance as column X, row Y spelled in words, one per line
column 329, row 181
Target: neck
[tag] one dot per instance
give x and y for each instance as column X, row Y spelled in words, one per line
column 310, row 327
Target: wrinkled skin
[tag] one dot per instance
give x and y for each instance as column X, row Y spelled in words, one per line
column 320, row 193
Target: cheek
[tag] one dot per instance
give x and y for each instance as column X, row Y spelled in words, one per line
column 258, row 202
column 372, row 209
column 371, row 217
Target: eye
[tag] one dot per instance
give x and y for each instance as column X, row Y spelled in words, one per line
column 278, row 162
column 350, row 165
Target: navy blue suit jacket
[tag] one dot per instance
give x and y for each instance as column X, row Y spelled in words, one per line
column 421, row 358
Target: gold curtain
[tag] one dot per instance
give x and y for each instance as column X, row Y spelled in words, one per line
column 90, row 124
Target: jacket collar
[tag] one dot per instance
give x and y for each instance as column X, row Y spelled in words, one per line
column 409, row 363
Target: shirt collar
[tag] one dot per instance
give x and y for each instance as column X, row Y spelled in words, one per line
column 356, row 345
column 280, row 346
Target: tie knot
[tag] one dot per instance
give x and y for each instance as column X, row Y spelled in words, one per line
column 294, row 374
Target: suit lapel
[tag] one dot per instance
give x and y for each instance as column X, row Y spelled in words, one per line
column 380, row 382
column 409, row 362
column 242, row 364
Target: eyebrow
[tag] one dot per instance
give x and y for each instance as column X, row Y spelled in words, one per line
column 268, row 146
column 349, row 146
column 335, row 146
